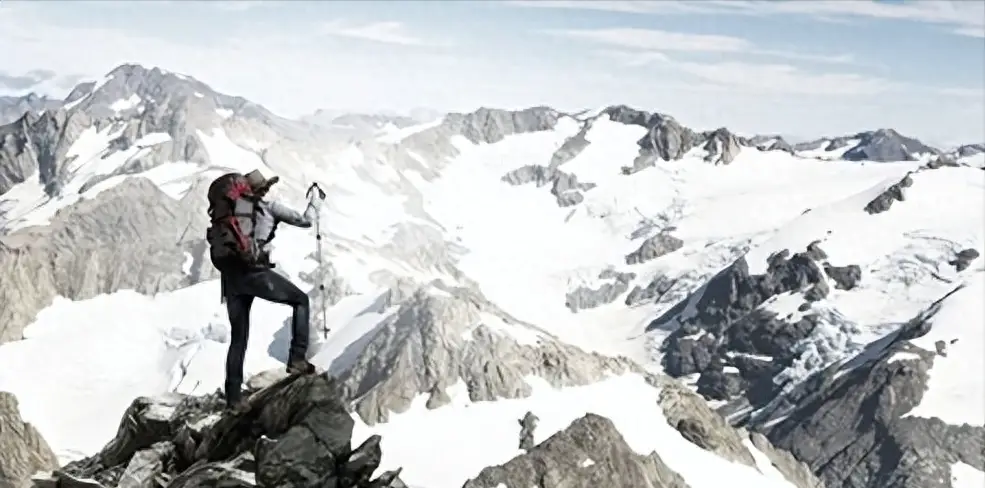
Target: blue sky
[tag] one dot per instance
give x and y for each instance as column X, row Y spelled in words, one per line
column 792, row 67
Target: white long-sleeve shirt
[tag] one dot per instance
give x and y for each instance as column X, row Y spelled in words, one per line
column 272, row 213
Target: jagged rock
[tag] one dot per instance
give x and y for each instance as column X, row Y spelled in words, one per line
column 23, row 451
column 691, row 416
column 527, row 426
column 654, row 291
column 721, row 145
column 729, row 329
column 565, row 187
column 437, row 340
column 492, row 125
column 969, row 150
column 845, row 277
column 964, row 259
column 79, row 256
column 293, row 433
column 885, row 145
column 847, row 422
column 666, row 139
column 13, row 108
column 38, row 145
column 941, row 161
column 771, row 143
column 885, row 199
column 589, row 453
column 654, row 247
column 584, row 297
column 793, row 470
column 572, row 147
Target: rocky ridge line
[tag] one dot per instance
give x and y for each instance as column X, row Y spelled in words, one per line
column 294, row 433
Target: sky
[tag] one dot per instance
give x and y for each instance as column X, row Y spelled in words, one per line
column 797, row 68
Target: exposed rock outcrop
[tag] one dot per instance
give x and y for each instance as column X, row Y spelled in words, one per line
column 589, row 453
column 585, row 297
column 963, row 259
column 850, row 422
column 132, row 237
column 436, row 340
column 885, row 145
column 13, row 108
column 885, row 200
column 653, row 247
column 668, row 140
column 564, row 186
column 293, row 433
column 23, row 452
column 738, row 347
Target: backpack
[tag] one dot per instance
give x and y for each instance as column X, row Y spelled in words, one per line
column 232, row 209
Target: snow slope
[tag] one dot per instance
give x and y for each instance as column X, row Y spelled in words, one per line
column 954, row 394
column 476, row 435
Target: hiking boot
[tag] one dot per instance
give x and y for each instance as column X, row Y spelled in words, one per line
column 300, row 366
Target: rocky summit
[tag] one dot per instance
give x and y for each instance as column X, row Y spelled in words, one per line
column 294, row 433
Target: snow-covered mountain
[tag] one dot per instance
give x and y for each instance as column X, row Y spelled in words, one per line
column 482, row 266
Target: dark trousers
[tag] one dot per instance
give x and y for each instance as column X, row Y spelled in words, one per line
column 240, row 289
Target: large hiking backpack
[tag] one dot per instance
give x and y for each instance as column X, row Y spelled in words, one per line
column 233, row 210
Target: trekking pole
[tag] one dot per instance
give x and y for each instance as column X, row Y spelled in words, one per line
column 318, row 257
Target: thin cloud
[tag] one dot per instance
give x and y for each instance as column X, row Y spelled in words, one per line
column 964, row 18
column 24, row 81
column 666, row 41
column 387, row 32
column 657, row 40
column 756, row 78
column 240, row 5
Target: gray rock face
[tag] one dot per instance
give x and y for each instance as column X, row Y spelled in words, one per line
column 38, row 144
column 492, row 125
column 565, row 187
column 885, row 145
column 527, row 426
column 584, row 297
column 132, row 237
column 847, row 423
column 970, row 150
column 589, row 453
column 963, row 259
column 771, row 143
column 734, row 345
column 722, row 146
column 885, row 200
column 668, row 140
column 23, row 451
column 699, row 424
column 653, row 247
column 430, row 344
column 13, row 108
column 293, row 433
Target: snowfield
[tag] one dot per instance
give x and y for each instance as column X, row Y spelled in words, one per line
column 524, row 252
column 954, row 393
column 427, row 439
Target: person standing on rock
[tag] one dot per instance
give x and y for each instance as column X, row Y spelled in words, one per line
column 243, row 225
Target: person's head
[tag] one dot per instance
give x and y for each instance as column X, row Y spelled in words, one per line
column 260, row 184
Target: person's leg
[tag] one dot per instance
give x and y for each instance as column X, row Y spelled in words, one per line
column 271, row 286
column 238, row 308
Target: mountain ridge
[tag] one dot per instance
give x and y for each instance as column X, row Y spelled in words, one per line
column 876, row 144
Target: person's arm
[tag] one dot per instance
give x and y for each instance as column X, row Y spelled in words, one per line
column 289, row 216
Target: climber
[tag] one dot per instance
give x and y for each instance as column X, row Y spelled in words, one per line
column 243, row 224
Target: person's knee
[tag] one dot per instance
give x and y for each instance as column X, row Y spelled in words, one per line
column 302, row 300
